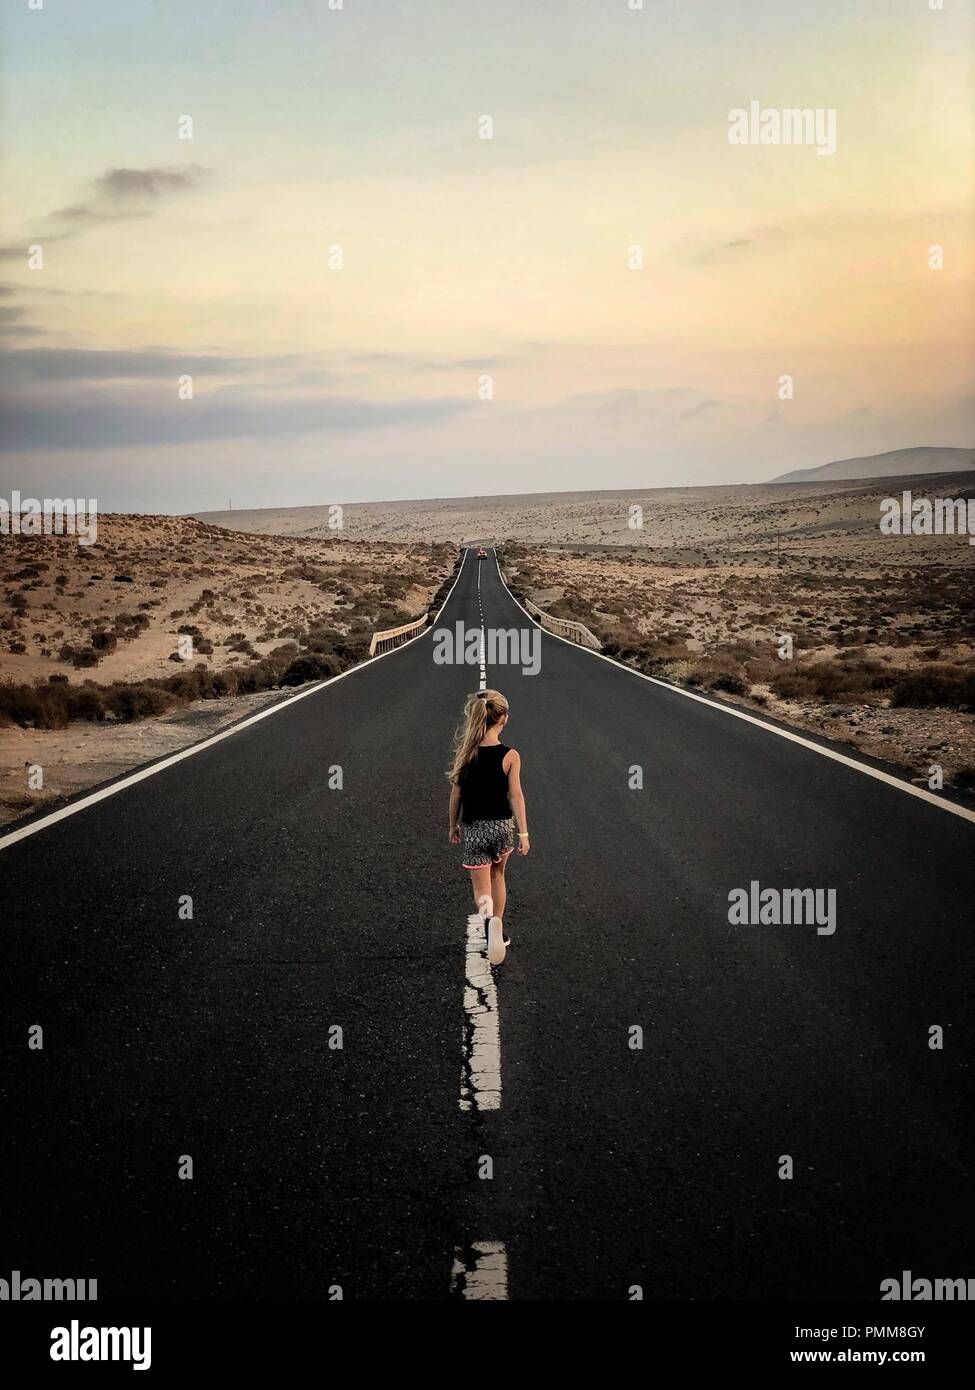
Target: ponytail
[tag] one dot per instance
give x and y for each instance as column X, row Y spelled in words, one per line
column 481, row 712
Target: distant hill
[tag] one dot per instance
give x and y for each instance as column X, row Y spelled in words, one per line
column 896, row 464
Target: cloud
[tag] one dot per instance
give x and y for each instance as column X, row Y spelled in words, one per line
column 10, row 325
column 700, row 408
column 12, row 316
column 33, row 366
column 628, row 401
column 765, row 237
column 416, row 362
column 39, row 365
column 118, row 195
column 122, row 185
column 17, row 251
column 34, row 290
column 121, row 194
column 78, row 219
column 79, row 417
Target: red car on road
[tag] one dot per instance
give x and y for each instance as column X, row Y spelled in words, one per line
column 482, row 554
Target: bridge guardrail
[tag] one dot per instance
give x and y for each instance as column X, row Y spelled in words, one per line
column 395, row 636
column 575, row 632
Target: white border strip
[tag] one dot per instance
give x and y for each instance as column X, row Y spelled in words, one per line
column 961, row 811
column 103, row 793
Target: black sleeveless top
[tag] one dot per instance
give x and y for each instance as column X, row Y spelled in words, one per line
column 484, row 786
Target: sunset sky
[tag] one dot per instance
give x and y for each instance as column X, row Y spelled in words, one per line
column 465, row 257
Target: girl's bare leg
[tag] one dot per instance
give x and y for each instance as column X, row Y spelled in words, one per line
column 481, row 887
column 499, row 889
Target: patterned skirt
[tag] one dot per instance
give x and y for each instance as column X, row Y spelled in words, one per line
column 486, row 841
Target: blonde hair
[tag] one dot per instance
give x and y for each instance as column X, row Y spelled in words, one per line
column 482, row 711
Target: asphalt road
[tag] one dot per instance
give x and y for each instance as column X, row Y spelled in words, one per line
column 313, row 908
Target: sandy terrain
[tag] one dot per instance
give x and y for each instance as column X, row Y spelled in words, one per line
column 675, row 519
column 865, row 613
column 114, row 613
column 148, row 576
column 697, row 585
column 84, row 754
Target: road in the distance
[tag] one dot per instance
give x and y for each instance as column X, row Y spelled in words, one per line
column 612, row 1167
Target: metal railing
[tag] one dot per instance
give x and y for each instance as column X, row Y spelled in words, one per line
column 575, row 632
column 395, row 636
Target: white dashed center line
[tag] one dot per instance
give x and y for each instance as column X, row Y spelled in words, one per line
column 481, row 1271
column 480, row 1076
column 482, row 646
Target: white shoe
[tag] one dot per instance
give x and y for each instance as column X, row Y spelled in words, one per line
column 496, row 941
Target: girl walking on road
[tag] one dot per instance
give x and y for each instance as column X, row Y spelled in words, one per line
column 486, row 806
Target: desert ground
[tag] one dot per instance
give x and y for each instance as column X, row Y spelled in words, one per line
column 674, row 519
column 699, row 585
column 696, row 585
column 882, row 628
column 92, row 677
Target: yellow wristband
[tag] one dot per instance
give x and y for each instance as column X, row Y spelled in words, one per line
column 522, row 834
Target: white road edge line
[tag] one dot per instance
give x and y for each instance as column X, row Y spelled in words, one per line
column 142, row 773
column 922, row 795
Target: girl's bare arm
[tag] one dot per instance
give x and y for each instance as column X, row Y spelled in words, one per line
column 517, row 798
column 454, row 815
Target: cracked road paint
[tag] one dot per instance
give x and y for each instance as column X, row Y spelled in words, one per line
column 480, row 1076
column 481, row 1271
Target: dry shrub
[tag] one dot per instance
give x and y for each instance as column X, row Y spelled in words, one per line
column 944, row 687
column 846, row 682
